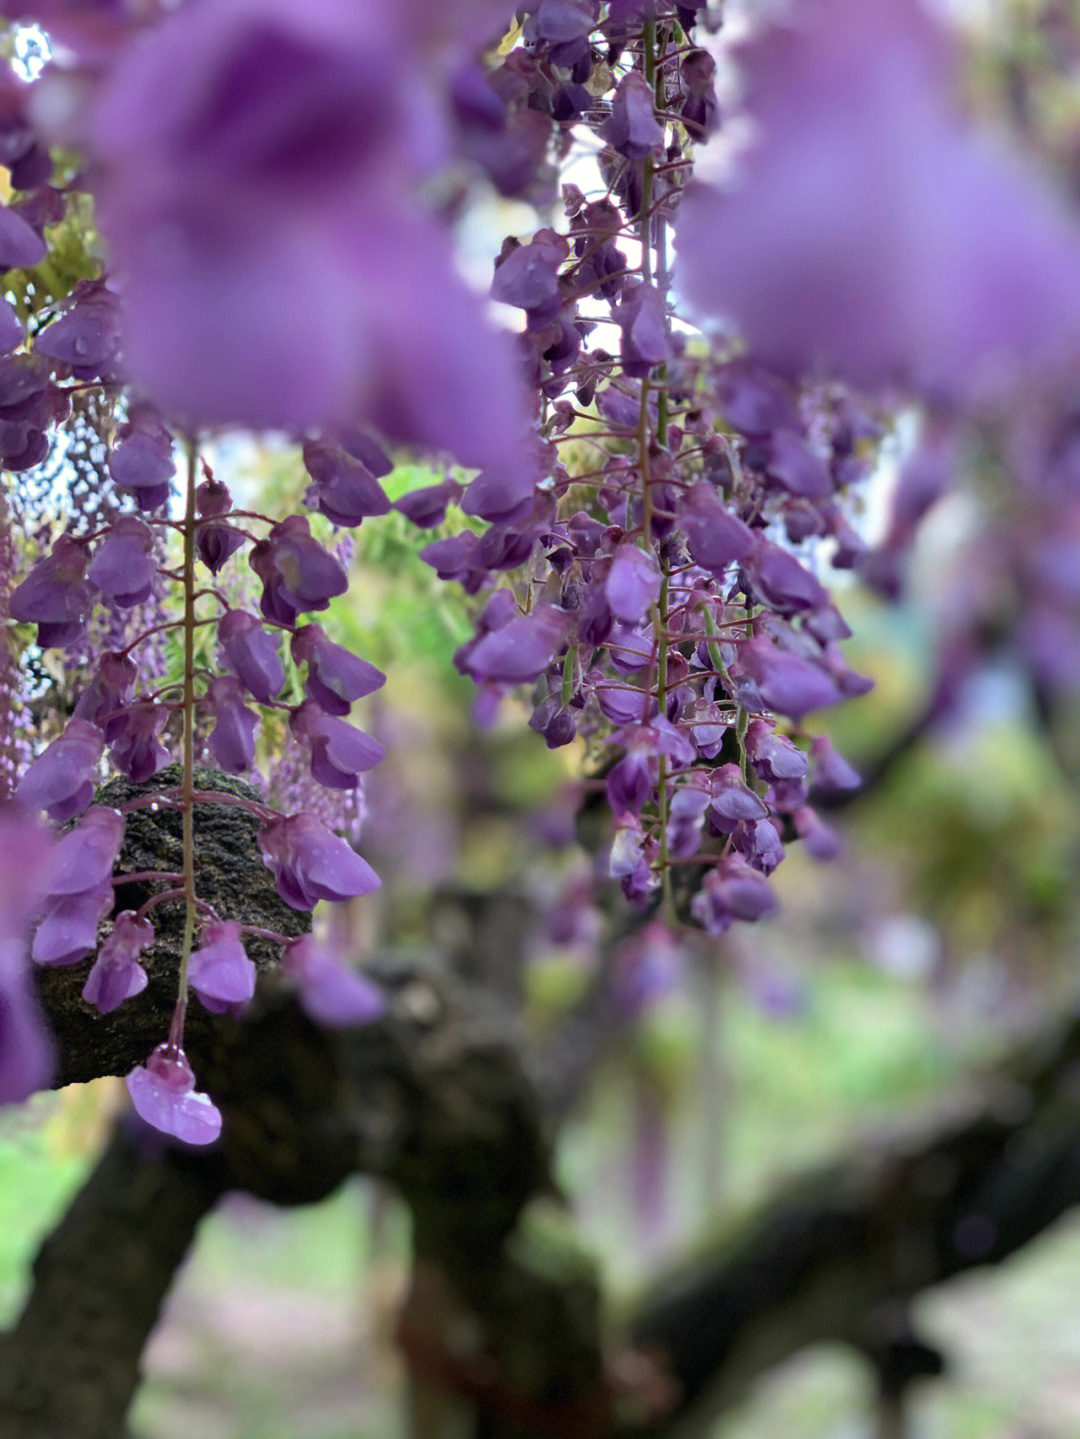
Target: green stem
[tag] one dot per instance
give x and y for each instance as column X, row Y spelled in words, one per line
column 187, row 783
column 645, row 439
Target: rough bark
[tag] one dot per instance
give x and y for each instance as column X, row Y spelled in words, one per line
column 230, row 875
column 71, row 1366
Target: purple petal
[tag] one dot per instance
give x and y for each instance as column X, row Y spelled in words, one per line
column 310, row 863
column 61, row 780
column 86, row 854
column 164, row 1095
column 520, row 650
column 633, row 583
column 220, row 970
column 330, row 994
column 68, row 929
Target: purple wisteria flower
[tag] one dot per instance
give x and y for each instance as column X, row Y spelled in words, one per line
column 26, row 1051
column 788, row 683
column 55, row 595
column 134, row 743
column 732, row 891
column 251, row 653
column 232, row 740
column 335, row 675
column 116, row 974
column 714, row 536
column 164, row 1095
column 86, row 337
column 296, row 572
column 519, row 650
column 857, row 240
column 101, row 702
column 68, row 928
column 141, row 461
column 20, row 243
column 330, row 993
column 632, row 128
column 427, row 507
column 220, row 972
column 340, row 753
column 124, row 565
column 79, row 891
column 209, row 213
column 215, row 539
column 343, row 489
column 633, row 584
column 61, row 780
column 310, row 863
column 86, row 854
column 11, row 331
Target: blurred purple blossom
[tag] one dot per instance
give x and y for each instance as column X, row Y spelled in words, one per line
column 330, row 993
column 857, row 240
column 26, row 1051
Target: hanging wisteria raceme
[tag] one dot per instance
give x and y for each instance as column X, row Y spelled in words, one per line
column 651, row 507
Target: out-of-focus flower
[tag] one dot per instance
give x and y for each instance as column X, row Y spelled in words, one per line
column 211, row 210
column 26, row 1051
column 330, row 994
column 858, row 239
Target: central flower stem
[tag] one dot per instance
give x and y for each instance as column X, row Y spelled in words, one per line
column 651, row 229
column 187, row 783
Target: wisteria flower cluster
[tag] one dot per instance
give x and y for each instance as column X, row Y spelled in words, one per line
column 643, row 497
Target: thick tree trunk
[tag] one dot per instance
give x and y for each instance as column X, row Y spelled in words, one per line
column 71, row 1365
